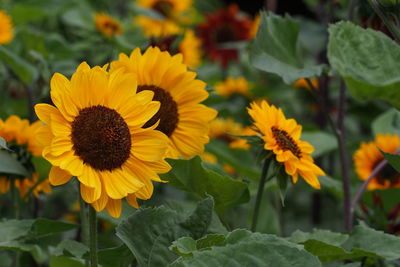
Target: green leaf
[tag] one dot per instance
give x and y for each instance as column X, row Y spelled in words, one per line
column 42, row 167
column 367, row 60
column 363, row 238
column 321, row 141
column 62, row 261
column 211, row 240
column 276, row 49
column 158, row 228
column 244, row 248
column 282, row 180
column 23, row 69
column 115, row 257
column 329, row 237
column 70, row 248
column 192, row 176
column 9, row 165
column 387, row 123
column 184, row 246
column 3, row 144
column 393, row 159
column 332, row 185
column 27, row 14
column 42, row 227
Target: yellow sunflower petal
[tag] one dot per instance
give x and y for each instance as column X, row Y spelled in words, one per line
column 58, row 176
column 113, row 207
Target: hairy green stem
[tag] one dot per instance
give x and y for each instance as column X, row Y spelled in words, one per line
column 260, row 192
column 15, row 200
column 93, row 236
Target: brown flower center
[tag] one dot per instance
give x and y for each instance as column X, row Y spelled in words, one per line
column 168, row 112
column 285, row 141
column 112, row 27
column 163, row 7
column 225, row 34
column 101, row 138
column 388, row 173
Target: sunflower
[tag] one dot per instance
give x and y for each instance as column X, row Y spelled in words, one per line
column 233, row 86
column 6, row 28
column 181, row 116
column 224, row 129
column 95, row 133
column 173, row 13
column 282, row 137
column 302, row 83
column 21, row 137
column 190, row 47
column 368, row 156
column 223, row 26
column 107, row 25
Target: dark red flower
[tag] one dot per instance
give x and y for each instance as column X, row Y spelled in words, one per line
column 223, row 26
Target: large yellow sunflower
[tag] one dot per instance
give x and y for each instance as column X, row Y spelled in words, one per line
column 6, row 28
column 181, row 117
column 95, row 132
column 282, row 137
column 107, row 25
column 190, row 47
column 233, row 86
column 174, row 12
column 367, row 157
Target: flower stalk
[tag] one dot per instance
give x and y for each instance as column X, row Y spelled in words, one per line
column 260, row 192
column 93, row 236
column 85, row 234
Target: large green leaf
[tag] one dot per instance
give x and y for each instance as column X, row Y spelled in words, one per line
column 387, row 123
column 276, row 50
column 322, row 142
column 243, row 248
column 119, row 256
column 23, row 69
column 42, row 227
column 3, row 144
column 368, row 61
column 70, row 248
column 192, row 176
column 149, row 232
column 9, row 165
column 363, row 238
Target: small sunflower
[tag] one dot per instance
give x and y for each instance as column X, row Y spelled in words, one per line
column 302, row 83
column 224, row 129
column 223, row 26
column 282, row 137
column 107, row 25
column 6, row 28
column 190, row 47
column 233, row 86
column 95, row 133
column 172, row 11
column 21, row 137
column 181, row 116
column 368, row 156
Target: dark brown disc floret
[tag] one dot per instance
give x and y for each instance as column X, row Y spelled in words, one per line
column 101, row 138
column 168, row 112
column 285, row 141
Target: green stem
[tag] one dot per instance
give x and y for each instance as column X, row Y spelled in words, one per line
column 260, row 192
column 93, row 236
column 15, row 200
column 85, row 235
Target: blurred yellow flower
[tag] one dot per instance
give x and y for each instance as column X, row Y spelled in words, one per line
column 233, row 86
column 282, row 137
column 107, row 25
column 181, row 116
column 190, row 47
column 255, row 25
column 94, row 132
column 173, row 13
column 224, row 129
column 367, row 157
column 6, row 28
column 302, row 83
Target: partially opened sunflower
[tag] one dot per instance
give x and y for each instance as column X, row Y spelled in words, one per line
column 95, row 132
column 282, row 137
column 181, row 116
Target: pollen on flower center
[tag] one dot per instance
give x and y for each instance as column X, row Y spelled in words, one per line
column 101, row 138
column 168, row 112
column 163, row 7
column 286, row 142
